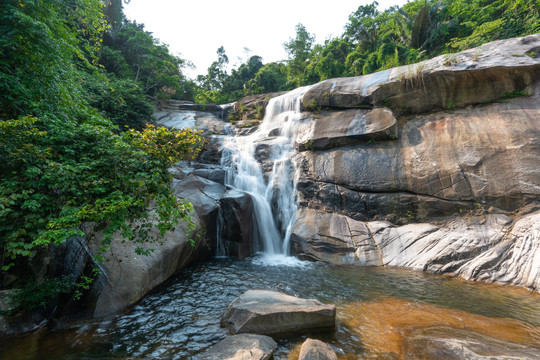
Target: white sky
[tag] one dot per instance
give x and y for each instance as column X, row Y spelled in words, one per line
column 195, row 29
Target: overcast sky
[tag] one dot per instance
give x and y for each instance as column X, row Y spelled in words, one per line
column 195, row 29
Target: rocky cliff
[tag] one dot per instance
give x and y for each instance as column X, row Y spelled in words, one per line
column 433, row 166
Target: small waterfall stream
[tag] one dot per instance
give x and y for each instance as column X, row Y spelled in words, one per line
column 262, row 164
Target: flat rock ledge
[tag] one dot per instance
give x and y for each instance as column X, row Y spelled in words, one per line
column 313, row 349
column 242, row 347
column 273, row 313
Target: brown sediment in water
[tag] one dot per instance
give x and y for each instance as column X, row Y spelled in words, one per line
column 383, row 326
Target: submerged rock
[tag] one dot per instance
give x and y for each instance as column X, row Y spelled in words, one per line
column 316, row 350
column 451, row 344
column 398, row 329
column 242, row 347
column 273, row 313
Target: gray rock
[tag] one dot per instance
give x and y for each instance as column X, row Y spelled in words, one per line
column 441, row 163
column 204, row 194
column 212, row 151
column 237, row 230
column 333, row 238
column 316, row 350
column 453, row 344
column 447, row 81
column 272, row 313
column 216, row 175
column 335, row 129
column 489, row 248
column 126, row 277
column 242, row 347
column 191, row 119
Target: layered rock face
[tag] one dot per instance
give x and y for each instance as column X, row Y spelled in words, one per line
column 433, row 166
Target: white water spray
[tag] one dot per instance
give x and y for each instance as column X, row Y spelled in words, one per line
column 273, row 191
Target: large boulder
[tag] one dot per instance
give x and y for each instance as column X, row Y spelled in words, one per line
column 127, row 276
column 242, row 347
column 316, row 350
column 448, row 81
column 205, row 195
column 237, row 229
column 333, row 238
column 273, row 313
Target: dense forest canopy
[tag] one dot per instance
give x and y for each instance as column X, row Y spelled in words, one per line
column 375, row 40
column 79, row 83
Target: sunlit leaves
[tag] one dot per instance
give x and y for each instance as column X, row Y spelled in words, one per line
column 54, row 184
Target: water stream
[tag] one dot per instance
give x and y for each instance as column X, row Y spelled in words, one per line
column 181, row 320
column 273, row 191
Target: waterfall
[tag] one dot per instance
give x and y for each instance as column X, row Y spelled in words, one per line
column 262, row 164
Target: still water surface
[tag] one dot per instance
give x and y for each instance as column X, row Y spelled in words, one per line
column 181, row 320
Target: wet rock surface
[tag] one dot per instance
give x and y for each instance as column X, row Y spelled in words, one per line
column 241, row 347
column 316, row 350
column 349, row 127
column 273, row 313
column 448, row 344
column 238, row 226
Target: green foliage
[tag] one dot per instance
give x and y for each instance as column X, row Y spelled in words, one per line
column 363, row 26
column 35, row 295
column 133, row 53
column 63, row 160
column 270, row 78
column 480, row 35
column 59, row 178
column 84, row 283
column 120, row 100
column 515, row 94
column 309, row 145
column 375, row 40
column 299, row 49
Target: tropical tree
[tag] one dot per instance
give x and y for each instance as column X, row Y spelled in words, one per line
column 298, row 49
column 271, row 77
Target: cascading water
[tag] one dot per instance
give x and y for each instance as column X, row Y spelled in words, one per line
column 262, row 164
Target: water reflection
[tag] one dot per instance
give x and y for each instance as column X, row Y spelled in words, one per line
column 182, row 319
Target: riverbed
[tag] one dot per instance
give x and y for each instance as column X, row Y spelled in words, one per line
column 379, row 311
